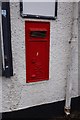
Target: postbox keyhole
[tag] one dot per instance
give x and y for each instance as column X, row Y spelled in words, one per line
column 37, row 54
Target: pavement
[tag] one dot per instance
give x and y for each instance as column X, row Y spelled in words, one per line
column 74, row 116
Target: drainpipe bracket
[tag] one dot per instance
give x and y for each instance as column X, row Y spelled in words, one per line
column 67, row 110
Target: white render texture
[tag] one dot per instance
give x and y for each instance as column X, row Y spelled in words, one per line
column 17, row 94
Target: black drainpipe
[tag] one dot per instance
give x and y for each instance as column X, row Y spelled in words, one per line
column 6, row 28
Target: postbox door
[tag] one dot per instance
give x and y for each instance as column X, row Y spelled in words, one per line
column 37, row 51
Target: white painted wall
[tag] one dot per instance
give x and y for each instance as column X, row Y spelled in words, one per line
column 79, row 49
column 17, row 94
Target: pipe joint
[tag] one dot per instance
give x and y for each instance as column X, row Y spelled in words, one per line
column 67, row 111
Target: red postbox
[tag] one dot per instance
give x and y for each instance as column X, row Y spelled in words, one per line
column 37, row 40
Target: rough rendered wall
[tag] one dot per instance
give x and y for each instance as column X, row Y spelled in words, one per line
column 17, row 93
column 79, row 48
column 74, row 66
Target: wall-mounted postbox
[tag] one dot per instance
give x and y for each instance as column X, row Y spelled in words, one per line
column 37, row 36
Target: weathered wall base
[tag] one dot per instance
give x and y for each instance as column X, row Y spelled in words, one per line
column 52, row 110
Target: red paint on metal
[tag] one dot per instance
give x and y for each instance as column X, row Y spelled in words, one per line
column 37, row 41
